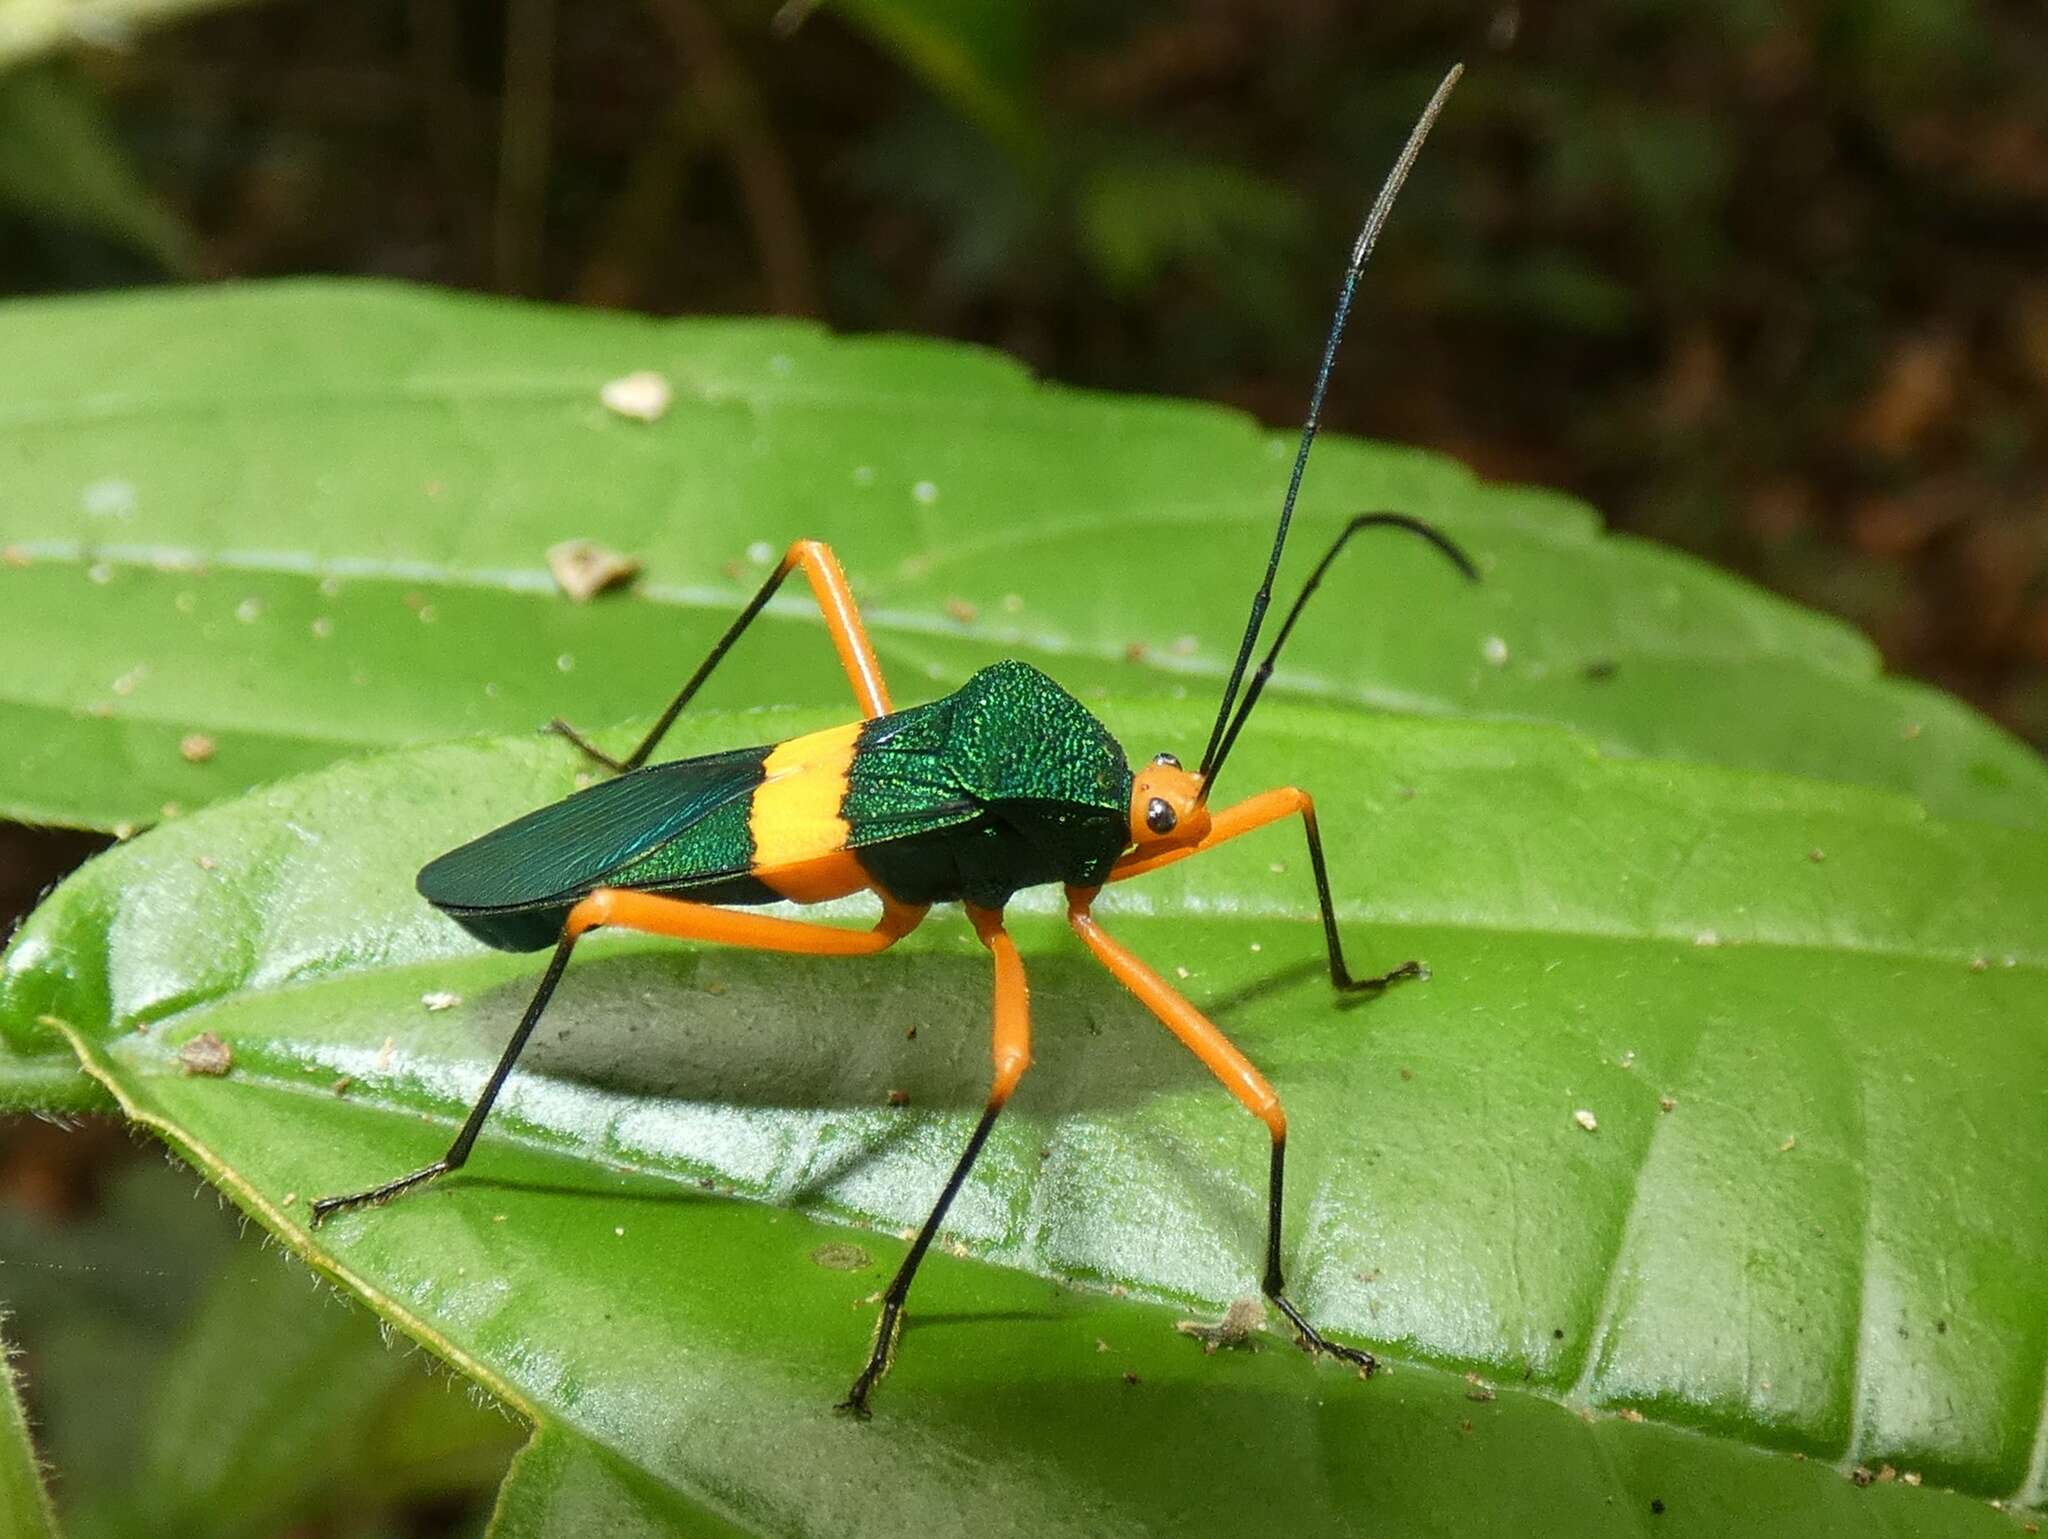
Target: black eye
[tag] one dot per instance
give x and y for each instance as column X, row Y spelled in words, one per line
column 1159, row 817
column 1167, row 759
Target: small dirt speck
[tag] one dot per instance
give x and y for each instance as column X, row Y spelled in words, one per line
column 899, row 1098
column 1863, row 1475
column 959, row 609
column 206, row 1054
column 1130, row 1377
column 196, row 747
column 1243, row 1320
column 1667, row 1103
column 1656, row 1506
column 340, row 1086
column 439, row 1000
column 583, row 568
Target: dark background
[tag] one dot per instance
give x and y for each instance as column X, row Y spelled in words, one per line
column 1762, row 280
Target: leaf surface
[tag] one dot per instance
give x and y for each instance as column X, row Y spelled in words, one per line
column 276, row 524
column 1832, row 1245
column 24, row 1505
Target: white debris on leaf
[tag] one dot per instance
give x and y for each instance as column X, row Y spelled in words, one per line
column 643, row 395
column 1244, row 1319
column 440, row 999
column 1586, row 1120
column 583, row 568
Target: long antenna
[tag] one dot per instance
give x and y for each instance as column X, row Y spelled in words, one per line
column 1415, row 526
column 1361, row 252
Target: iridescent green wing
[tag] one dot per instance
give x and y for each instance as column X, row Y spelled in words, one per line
column 574, row 845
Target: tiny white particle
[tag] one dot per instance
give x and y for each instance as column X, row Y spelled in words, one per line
column 1494, row 650
column 1628, row 1059
column 566, row 662
column 1184, row 646
column 1257, row 947
column 125, row 685
column 1182, row 972
column 760, row 553
column 1707, row 938
column 925, row 492
column 109, row 499
column 619, row 1230
column 643, row 395
column 249, row 610
column 1586, row 1120
column 440, row 999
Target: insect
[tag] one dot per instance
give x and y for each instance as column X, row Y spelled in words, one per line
column 1007, row 783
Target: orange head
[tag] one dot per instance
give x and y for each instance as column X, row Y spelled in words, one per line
column 1166, row 805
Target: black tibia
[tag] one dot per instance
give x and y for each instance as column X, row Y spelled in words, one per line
column 733, row 631
column 891, row 1322
column 1340, row 975
column 458, row 1151
column 1310, row 1338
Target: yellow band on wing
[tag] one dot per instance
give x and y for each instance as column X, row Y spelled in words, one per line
column 796, row 811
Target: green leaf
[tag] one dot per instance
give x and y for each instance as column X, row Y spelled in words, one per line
column 196, row 1386
column 1833, row 1245
column 24, row 1505
column 300, row 520
column 60, row 160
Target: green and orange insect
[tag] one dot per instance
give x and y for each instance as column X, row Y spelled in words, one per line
column 1007, row 783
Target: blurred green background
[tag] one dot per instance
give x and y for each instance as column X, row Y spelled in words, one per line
column 1762, row 280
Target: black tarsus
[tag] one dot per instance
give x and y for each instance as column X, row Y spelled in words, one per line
column 1361, row 251
column 1415, row 526
column 458, row 1152
column 1311, row 1339
column 1340, row 975
column 638, row 756
column 890, row 1324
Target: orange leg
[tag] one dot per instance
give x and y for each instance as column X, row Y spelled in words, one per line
column 1012, row 1052
column 1239, row 1077
column 1257, row 812
column 842, row 621
column 655, row 915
